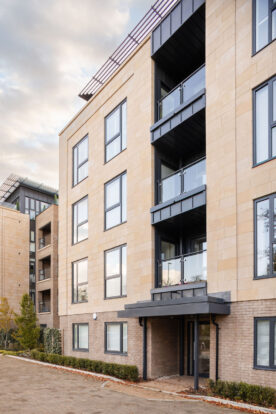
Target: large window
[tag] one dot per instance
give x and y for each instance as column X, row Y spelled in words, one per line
column 80, row 337
column 115, row 263
column 116, row 337
column 265, row 122
column 264, row 23
column 80, row 220
column 115, row 201
column 265, row 237
column 80, row 281
column 265, row 343
column 34, row 207
column 80, row 161
column 115, row 132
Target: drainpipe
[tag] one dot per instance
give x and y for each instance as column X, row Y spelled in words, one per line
column 217, row 345
column 143, row 323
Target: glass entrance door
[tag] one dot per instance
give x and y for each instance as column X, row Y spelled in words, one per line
column 203, row 348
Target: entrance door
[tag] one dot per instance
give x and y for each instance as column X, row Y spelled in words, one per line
column 203, row 348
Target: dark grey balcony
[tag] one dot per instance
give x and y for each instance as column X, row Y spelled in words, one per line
column 188, row 268
column 44, row 307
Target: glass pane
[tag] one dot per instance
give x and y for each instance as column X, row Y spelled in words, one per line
column 82, row 271
column 82, row 293
column 274, row 258
column 37, row 206
column 83, row 150
column 124, row 198
column 82, row 210
column 75, row 155
column 195, row 176
column 75, row 213
column 195, row 267
column 194, row 84
column 112, row 193
column 263, row 238
column 124, row 270
column 124, row 137
column 113, row 337
column 261, row 117
column 75, row 336
column 113, row 148
column 44, row 206
column 32, row 247
column 113, row 287
column 273, row 133
column 32, row 214
column 113, row 217
column 113, row 124
column 263, row 343
column 261, row 23
column 169, row 103
column 32, row 236
column 171, row 272
column 83, row 336
column 166, row 171
column 26, row 202
column 168, row 250
column 83, row 232
column 32, row 203
column 83, row 171
column 112, row 262
column 275, row 343
column 204, row 349
column 274, row 218
column 274, row 100
column 170, row 187
column 124, row 337
column 274, row 26
column 75, row 280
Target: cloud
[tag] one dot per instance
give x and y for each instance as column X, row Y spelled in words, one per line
column 49, row 50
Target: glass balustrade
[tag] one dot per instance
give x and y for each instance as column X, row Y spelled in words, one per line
column 182, row 93
column 182, row 181
column 184, row 269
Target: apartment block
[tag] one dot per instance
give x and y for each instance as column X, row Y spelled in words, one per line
column 28, row 197
column 14, row 254
column 167, row 246
column 47, row 267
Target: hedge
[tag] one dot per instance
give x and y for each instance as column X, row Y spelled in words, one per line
column 127, row 372
column 254, row 394
column 14, row 353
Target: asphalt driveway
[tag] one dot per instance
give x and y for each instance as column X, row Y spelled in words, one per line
column 27, row 388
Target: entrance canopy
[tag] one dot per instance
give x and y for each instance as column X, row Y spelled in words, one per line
column 197, row 305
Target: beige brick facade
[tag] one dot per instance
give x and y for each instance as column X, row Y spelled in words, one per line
column 14, row 256
column 232, row 185
column 47, row 267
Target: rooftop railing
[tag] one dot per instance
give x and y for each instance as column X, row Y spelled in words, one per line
column 182, row 93
column 188, row 268
column 182, row 181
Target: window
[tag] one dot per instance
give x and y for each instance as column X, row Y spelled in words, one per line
column 115, row 132
column 116, row 337
column 80, row 161
column 115, row 201
column 80, row 336
column 115, row 272
column 265, row 237
column 34, row 207
column 265, row 343
column 79, row 281
column 80, row 220
column 264, row 23
column 265, row 122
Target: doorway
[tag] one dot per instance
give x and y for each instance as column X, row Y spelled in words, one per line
column 203, row 347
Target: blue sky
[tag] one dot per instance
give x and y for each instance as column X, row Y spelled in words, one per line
column 49, row 50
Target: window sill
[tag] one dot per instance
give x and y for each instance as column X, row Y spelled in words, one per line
column 115, row 156
column 74, row 244
column 256, row 52
column 264, row 277
column 263, row 162
column 77, row 303
column 265, row 368
column 115, row 297
column 116, row 353
column 75, row 185
column 117, row 225
column 80, row 350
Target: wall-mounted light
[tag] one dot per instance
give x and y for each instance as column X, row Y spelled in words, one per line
column 94, row 316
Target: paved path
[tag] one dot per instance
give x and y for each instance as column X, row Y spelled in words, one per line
column 27, row 388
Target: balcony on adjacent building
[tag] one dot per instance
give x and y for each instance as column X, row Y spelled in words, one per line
column 44, row 236
column 44, row 301
column 44, row 271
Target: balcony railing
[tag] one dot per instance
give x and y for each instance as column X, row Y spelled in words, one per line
column 44, row 307
column 44, row 274
column 187, row 268
column 182, row 181
column 42, row 243
column 182, row 93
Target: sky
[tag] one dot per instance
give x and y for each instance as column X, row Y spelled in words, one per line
column 49, row 50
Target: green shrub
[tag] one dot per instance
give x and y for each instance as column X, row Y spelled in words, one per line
column 254, row 394
column 52, row 341
column 128, row 372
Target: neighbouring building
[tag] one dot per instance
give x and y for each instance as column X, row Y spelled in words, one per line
column 29, row 198
column 14, row 254
column 167, row 243
column 47, row 267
